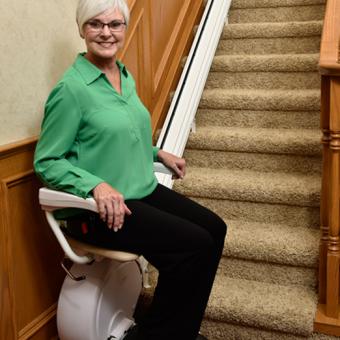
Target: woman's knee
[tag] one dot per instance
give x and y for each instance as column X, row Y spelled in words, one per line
column 218, row 227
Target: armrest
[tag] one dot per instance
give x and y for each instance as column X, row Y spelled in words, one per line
column 52, row 199
column 161, row 168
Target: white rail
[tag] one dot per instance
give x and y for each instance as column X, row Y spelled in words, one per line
column 180, row 118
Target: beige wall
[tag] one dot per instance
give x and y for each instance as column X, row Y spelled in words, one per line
column 39, row 40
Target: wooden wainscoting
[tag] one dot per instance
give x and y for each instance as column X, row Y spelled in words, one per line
column 30, row 274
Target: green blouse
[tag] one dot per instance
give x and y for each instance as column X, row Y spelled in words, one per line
column 92, row 134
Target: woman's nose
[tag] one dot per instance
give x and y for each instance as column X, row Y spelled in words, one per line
column 106, row 31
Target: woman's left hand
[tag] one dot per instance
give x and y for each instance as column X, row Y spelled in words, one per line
column 176, row 164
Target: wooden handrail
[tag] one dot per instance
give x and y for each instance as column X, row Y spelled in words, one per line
column 330, row 42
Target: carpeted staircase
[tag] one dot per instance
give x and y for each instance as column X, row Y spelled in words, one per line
column 255, row 159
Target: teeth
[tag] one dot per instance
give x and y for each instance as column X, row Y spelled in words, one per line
column 106, row 44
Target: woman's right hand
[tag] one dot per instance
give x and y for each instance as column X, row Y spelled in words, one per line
column 111, row 205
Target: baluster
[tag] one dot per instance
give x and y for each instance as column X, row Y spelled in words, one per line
column 334, row 226
column 324, row 209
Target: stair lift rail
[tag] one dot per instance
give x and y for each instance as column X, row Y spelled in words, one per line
column 181, row 114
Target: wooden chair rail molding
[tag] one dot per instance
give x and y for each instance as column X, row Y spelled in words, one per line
column 327, row 317
column 30, row 276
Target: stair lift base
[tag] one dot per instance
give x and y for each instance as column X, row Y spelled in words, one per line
column 102, row 305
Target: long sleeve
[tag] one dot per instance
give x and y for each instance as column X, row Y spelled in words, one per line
column 155, row 150
column 58, row 144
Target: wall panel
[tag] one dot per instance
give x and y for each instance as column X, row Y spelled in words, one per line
column 158, row 38
column 31, row 276
column 166, row 26
column 134, row 56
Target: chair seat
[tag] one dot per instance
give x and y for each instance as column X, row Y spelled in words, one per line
column 117, row 255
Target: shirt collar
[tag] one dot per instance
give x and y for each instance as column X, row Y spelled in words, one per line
column 90, row 72
column 122, row 69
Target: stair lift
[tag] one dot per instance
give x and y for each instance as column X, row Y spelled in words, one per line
column 100, row 291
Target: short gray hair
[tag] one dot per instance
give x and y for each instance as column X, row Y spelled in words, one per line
column 88, row 9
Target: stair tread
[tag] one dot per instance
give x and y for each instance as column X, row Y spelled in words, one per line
column 262, row 93
column 250, row 99
column 264, row 140
column 306, row 12
column 273, row 3
column 266, row 63
column 230, row 331
column 267, row 30
column 269, row 272
column 258, row 119
column 263, row 305
column 272, row 243
column 252, row 186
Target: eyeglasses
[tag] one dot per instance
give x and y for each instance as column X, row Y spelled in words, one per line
column 113, row 26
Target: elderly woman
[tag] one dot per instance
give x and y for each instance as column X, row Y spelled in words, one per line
column 96, row 141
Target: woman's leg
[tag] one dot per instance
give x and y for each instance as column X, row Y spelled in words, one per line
column 185, row 253
column 179, row 205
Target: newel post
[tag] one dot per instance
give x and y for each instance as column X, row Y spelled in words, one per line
column 332, row 295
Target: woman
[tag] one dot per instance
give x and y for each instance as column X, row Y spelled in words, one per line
column 96, row 141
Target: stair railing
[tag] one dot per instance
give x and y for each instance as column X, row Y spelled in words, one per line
column 327, row 318
column 181, row 114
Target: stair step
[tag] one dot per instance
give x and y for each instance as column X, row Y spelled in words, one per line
column 215, row 330
column 264, row 80
column 258, row 119
column 276, row 141
column 302, row 216
column 273, row 3
column 268, row 30
column 271, row 38
column 265, row 71
column 273, row 307
column 286, row 45
column 266, row 63
column 281, row 100
column 251, row 186
column 266, row 272
column 253, row 161
column 279, row 14
column 273, row 243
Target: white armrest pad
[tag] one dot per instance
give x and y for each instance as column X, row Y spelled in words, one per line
column 161, row 168
column 53, row 199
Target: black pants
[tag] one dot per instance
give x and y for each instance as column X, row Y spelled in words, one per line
column 179, row 237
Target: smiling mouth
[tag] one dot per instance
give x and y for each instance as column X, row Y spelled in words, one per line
column 106, row 44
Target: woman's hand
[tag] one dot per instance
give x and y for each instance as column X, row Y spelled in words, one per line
column 176, row 164
column 111, row 205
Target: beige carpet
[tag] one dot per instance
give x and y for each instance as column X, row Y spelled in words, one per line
column 255, row 159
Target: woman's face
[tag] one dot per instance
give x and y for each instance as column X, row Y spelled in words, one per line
column 104, row 42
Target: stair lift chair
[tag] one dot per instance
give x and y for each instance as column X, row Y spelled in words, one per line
column 100, row 291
